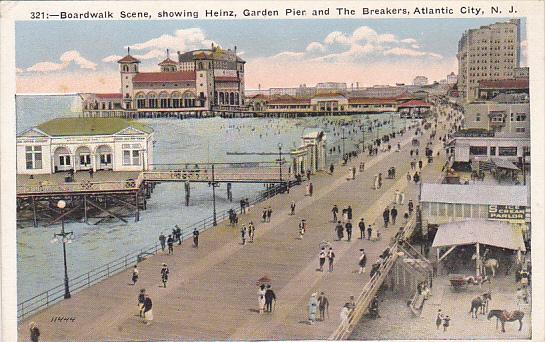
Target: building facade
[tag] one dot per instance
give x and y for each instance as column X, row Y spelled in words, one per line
column 452, row 78
column 488, row 53
column 81, row 144
column 420, row 80
column 200, row 80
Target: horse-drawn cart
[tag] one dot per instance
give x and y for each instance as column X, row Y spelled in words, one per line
column 458, row 282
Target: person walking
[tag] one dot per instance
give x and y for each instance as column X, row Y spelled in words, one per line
column 375, row 183
column 243, row 231
column 251, row 231
column 322, row 259
column 380, row 180
column 348, row 227
column 323, row 306
column 162, row 241
column 349, row 213
column 401, row 197
column 331, row 169
column 270, row 296
column 362, row 261
column 446, row 323
column 310, row 189
column 91, row 172
column 178, row 235
column 195, row 238
column 396, row 197
column 134, row 275
column 312, row 308
column 302, row 228
column 339, row 229
column 261, row 298
column 438, row 319
column 361, row 226
column 148, row 310
column 335, row 211
column 420, row 164
column 269, row 214
column 369, row 232
column 292, row 208
column 170, row 243
column 164, row 274
column 264, row 215
column 393, row 213
column 386, row 216
column 331, row 258
column 34, row 332
column 345, row 311
column 141, row 299
column 411, row 207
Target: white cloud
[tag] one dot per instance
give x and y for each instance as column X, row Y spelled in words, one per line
column 397, row 51
column 181, row 40
column 415, row 46
column 66, row 58
column 337, row 37
column 524, row 52
column 111, row 59
column 315, row 47
column 408, row 41
column 74, row 56
column 152, row 54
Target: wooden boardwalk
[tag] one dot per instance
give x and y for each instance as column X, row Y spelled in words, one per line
column 211, row 293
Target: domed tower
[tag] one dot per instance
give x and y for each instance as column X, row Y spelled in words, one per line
column 128, row 68
column 168, row 65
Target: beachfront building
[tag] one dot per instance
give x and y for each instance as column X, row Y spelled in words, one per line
column 420, row 81
column 310, row 155
column 477, row 205
column 490, row 52
column 198, row 81
column 82, row 144
column 414, row 109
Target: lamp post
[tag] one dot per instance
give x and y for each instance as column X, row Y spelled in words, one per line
column 214, row 184
column 280, row 160
column 343, row 139
column 66, row 238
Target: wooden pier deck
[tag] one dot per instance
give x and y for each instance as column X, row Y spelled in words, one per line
column 211, row 293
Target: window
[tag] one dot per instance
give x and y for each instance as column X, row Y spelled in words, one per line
column 85, row 159
column 507, row 151
column 131, row 157
column 442, row 209
column 520, row 129
column 478, row 117
column 521, row 117
column 478, row 150
column 106, row 158
column 492, row 150
column 33, row 157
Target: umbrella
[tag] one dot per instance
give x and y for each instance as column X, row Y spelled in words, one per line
column 263, row 281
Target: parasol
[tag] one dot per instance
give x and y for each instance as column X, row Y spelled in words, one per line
column 265, row 280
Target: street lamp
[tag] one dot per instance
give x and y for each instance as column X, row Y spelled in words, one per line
column 280, row 160
column 66, row 237
column 214, row 184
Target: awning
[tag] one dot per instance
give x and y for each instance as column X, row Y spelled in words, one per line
column 470, row 232
column 504, row 164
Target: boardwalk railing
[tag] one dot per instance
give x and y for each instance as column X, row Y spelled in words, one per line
column 371, row 288
column 75, row 187
column 55, row 294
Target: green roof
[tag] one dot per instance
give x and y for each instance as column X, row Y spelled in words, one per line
column 89, row 126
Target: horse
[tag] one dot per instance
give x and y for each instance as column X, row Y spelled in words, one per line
column 492, row 264
column 505, row 316
column 480, row 302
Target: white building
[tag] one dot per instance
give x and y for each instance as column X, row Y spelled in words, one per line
column 420, row 80
column 331, row 86
column 452, row 78
column 83, row 144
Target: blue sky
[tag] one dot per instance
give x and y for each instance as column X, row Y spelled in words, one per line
column 266, row 45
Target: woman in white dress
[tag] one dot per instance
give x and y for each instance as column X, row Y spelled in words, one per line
column 261, row 298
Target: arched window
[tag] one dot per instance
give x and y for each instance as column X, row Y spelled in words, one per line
column 152, row 100
column 232, row 99
column 176, row 99
column 221, row 98
column 189, row 99
column 236, row 99
column 125, row 68
column 140, row 100
column 164, row 100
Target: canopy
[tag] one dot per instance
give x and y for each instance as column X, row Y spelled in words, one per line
column 504, row 164
column 492, row 233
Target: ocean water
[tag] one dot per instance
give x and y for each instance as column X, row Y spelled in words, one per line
column 40, row 263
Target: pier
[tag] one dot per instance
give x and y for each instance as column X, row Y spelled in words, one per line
column 212, row 294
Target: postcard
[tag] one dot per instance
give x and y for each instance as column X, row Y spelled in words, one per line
column 273, row 170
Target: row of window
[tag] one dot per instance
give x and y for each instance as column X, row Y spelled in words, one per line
column 503, row 151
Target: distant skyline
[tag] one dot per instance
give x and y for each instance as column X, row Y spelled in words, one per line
column 81, row 56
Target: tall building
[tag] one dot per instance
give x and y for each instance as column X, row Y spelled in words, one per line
column 420, row 80
column 488, row 53
column 452, row 78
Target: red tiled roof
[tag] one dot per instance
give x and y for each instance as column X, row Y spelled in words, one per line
column 504, row 84
column 226, row 79
column 289, row 101
column 368, row 100
column 128, row 59
column 414, row 103
column 177, row 76
column 167, row 61
column 109, row 96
